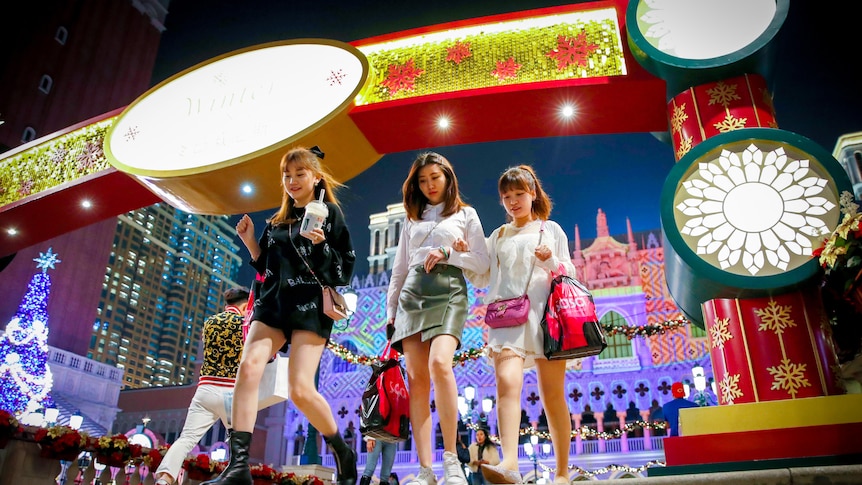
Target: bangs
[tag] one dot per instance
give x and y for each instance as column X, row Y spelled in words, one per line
column 515, row 180
column 300, row 158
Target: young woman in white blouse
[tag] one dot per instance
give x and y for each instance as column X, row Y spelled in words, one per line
column 515, row 249
column 427, row 302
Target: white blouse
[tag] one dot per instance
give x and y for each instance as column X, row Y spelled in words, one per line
column 512, row 253
column 418, row 238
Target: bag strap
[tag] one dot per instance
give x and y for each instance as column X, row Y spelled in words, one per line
column 532, row 265
column 429, row 233
column 290, row 238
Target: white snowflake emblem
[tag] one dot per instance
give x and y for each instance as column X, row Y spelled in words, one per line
column 716, row 206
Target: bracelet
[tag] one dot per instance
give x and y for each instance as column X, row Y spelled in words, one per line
column 445, row 253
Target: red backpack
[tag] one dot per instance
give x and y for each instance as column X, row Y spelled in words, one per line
column 570, row 323
column 384, row 412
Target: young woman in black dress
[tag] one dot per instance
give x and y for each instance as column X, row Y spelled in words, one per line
column 289, row 309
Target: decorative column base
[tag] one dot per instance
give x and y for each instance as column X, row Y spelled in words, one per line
column 771, row 349
column 774, row 434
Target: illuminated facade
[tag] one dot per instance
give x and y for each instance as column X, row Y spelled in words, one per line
column 166, row 273
column 385, row 229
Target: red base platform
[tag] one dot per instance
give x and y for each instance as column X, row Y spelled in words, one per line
column 771, row 444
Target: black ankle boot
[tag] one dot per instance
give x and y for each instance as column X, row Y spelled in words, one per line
column 345, row 459
column 365, row 480
column 236, row 472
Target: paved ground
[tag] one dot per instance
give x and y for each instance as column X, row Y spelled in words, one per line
column 820, row 475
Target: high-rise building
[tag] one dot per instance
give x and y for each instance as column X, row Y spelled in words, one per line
column 166, row 273
column 65, row 61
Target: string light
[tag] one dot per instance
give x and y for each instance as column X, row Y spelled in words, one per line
column 610, row 468
column 584, row 431
column 465, row 356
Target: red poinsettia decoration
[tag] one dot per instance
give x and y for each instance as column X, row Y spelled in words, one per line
column 572, row 51
column 61, row 442
column 116, row 450
column 402, row 77
column 290, row 478
column 9, row 424
column 458, row 52
column 266, row 472
column 507, row 69
column 200, row 467
column 153, row 458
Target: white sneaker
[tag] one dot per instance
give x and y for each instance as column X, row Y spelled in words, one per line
column 425, row 476
column 452, row 469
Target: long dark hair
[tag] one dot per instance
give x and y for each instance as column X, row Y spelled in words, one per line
column 485, row 444
column 415, row 201
column 308, row 160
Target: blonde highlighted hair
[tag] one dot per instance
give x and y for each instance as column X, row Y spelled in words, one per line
column 304, row 158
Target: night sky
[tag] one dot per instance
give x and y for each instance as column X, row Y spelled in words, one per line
column 815, row 94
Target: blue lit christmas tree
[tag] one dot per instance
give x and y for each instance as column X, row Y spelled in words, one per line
column 25, row 378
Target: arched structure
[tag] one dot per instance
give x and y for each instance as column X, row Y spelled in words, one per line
column 207, row 139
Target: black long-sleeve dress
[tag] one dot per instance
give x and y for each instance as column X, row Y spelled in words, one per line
column 290, row 297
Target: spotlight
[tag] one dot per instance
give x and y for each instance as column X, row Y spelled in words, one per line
column 443, row 122
column 86, row 204
column 247, row 189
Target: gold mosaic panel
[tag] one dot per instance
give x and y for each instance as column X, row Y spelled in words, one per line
column 577, row 45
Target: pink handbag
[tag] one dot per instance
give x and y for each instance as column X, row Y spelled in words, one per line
column 508, row 313
column 512, row 311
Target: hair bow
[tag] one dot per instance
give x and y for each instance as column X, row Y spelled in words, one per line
column 316, row 150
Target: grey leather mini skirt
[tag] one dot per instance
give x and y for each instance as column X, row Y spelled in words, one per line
column 431, row 304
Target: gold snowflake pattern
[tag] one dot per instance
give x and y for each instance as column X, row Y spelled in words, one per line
column 775, row 318
column 722, row 94
column 720, row 333
column 730, row 123
column 684, row 147
column 789, row 377
column 766, row 96
column 678, row 118
column 729, row 388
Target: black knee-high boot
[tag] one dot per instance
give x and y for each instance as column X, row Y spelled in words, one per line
column 236, row 472
column 345, row 459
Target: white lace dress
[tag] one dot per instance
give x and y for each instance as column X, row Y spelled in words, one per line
column 512, row 253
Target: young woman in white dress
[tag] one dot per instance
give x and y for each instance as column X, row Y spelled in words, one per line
column 515, row 248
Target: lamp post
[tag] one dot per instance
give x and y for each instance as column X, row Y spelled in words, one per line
column 76, row 420
column 532, row 449
column 701, row 398
column 51, row 415
column 466, row 403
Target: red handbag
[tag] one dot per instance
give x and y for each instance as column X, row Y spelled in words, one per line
column 512, row 311
column 384, row 411
column 570, row 326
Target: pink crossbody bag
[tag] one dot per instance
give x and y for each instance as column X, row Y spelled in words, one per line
column 512, row 311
